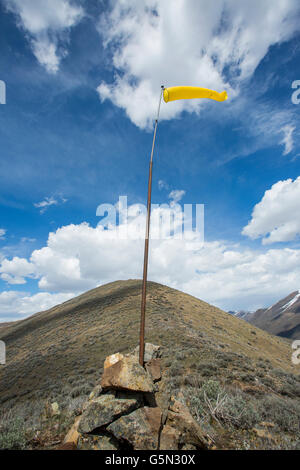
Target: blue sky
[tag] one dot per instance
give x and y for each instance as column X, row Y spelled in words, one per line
column 76, row 130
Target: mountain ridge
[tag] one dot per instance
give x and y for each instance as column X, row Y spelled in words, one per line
column 281, row 319
column 57, row 356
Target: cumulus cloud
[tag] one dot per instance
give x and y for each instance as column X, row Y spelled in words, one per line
column 81, row 257
column 47, row 202
column 24, row 304
column 276, row 217
column 154, row 43
column 16, row 270
column 47, row 24
column 288, row 140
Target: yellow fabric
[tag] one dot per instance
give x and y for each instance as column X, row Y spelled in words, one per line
column 189, row 92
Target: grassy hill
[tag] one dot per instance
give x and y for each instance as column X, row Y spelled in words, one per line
column 57, row 356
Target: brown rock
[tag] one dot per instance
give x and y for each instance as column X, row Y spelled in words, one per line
column 73, row 434
column 153, row 367
column 105, row 409
column 140, row 428
column 67, row 446
column 169, row 438
column 127, row 374
column 181, row 419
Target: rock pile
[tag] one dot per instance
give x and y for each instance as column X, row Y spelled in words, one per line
column 132, row 409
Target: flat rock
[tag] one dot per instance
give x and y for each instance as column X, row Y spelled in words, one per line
column 127, row 374
column 101, row 442
column 153, row 367
column 140, row 428
column 105, row 409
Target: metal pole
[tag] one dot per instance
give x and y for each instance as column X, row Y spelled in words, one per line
column 146, row 250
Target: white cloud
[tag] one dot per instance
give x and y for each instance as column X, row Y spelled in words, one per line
column 176, row 195
column 16, row 270
column 2, row 233
column 162, row 185
column 287, row 140
column 191, row 42
column 47, row 24
column 277, row 216
column 80, row 257
column 47, row 202
column 24, row 304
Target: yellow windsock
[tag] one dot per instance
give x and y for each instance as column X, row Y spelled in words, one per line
column 190, row 92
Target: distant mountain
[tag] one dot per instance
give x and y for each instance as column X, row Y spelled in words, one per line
column 244, row 315
column 281, row 319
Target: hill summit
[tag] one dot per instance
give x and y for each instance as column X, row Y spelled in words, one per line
column 55, row 358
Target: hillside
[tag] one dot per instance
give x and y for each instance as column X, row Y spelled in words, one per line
column 57, row 356
column 282, row 318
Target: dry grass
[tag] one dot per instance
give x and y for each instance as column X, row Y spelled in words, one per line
column 58, row 355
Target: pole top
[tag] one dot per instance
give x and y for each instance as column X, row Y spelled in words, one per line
column 162, row 87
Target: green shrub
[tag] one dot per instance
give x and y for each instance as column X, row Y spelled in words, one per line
column 83, row 389
column 266, row 380
column 207, row 369
column 175, row 368
column 283, row 412
column 246, row 377
column 12, row 435
column 291, row 390
column 233, row 409
column 241, row 413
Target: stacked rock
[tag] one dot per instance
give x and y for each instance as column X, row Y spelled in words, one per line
column 132, row 409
